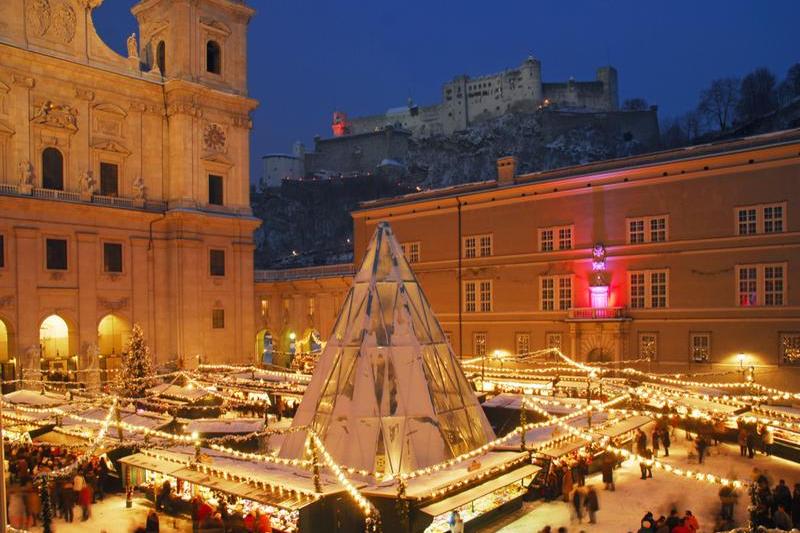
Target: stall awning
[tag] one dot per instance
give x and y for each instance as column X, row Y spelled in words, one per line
column 564, row 449
column 463, row 498
column 624, row 426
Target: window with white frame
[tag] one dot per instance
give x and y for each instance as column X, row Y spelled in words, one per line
column 761, row 285
column 522, row 342
column 700, row 347
column 555, row 238
column 478, row 296
column 648, row 346
column 648, row 289
column 648, row 229
column 411, row 251
column 762, row 218
column 477, row 246
column 546, row 240
column 479, row 343
column 789, row 347
column 555, row 293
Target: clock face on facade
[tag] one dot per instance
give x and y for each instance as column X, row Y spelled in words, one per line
column 214, row 138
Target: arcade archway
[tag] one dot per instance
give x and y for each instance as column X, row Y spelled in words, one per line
column 264, row 347
column 54, row 338
column 113, row 333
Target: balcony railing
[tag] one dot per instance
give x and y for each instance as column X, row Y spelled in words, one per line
column 597, row 313
column 12, row 189
column 288, row 274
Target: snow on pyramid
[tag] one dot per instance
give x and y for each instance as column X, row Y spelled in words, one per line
column 388, row 394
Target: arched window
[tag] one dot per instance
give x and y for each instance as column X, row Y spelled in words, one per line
column 213, row 57
column 52, row 169
column 161, row 57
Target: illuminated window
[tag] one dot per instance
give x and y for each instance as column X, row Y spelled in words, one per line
column 56, row 254
column 648, row 229
column 54, row 337
column 555, row 293
column 477, row 246
column 764, row 218
column 112, row 257
column 479, row 343
column 478, row 296
column 213, row 57
column 648, row 346
column 312, row 304
column 523, row 343
column 790, row 348
column 648, row 289
column 161, row 58
column 264, row 307
column 700, row 347
column 555, row 238
column 216, row 259
column 411, row 251
column 215, row 194
column 2, row 252
column 52, row 169
column 109, row 179
column 761, row 285
column 3, row 342
column 218, row 318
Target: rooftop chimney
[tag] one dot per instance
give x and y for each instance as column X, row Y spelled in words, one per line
column 506, row 170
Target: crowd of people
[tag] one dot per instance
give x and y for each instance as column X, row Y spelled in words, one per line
column 81, row 487
column 674, row 523
column 777, row 506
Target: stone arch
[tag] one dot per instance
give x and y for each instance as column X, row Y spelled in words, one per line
column 265, row 347
column 113, row 332
column 599, row 355
column 311, row 341
column 54, row 337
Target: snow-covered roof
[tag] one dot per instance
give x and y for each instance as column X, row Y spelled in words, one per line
column 225, row 425
column 29, row 397
column 176, row 391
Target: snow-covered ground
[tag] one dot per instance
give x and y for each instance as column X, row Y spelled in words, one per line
column 111, row 516
column 621, row 510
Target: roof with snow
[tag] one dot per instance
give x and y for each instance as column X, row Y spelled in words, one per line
column 29, row 397
column 388, row 394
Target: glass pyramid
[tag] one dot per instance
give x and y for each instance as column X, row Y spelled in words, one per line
column 388, row 394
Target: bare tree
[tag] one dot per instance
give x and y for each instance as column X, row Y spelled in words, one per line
column 718, row 102
column 789, row 88
column 757, row 95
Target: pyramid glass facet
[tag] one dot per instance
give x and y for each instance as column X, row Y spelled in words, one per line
column 388, row 394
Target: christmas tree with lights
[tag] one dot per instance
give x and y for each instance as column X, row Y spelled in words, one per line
column 137, row 366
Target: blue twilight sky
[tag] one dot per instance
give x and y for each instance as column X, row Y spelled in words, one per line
column 311, row 57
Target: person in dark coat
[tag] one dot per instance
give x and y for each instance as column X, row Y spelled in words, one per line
column 655, row 438
column 665, row 440
column 646, row 466
column 781, row 495
column 781, row 519
column 702, row 445
column 673, row 520
column 751, row 444
column 68, row 500
column 607, row 469
column 796, row 505
column 577, row 503
column 641, row 442
column 592, row 504
column 151, row 525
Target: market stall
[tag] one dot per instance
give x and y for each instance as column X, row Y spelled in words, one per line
column 285, row 494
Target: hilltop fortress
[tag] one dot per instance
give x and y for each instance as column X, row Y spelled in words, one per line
column 468, row 100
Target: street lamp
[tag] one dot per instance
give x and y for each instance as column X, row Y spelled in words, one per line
column 741, row 357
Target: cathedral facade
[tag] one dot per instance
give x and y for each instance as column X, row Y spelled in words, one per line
column 124, row 184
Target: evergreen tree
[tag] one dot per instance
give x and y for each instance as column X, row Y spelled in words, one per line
column 136, row 366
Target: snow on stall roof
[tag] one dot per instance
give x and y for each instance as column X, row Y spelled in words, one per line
column 176, row 391
column 29, row 397
column 225, row 425
column 537, row 436
column 423, row 486
column 514, row 402
column 137, row 418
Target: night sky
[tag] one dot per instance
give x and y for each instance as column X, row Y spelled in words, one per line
column 311, row 57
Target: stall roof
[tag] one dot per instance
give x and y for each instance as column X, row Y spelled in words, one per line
column 175, row 462
column 623, row 426
column 176, row 391
column 544, row 434
column 707, row 405
column 225, row 425
column 463, row 498
column 421, row 487
column 34, row 398
column 786, row 410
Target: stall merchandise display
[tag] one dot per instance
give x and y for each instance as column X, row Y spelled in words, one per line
column 480, row 506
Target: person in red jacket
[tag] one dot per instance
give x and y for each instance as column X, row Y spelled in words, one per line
column 681, row 527
column 691, row 522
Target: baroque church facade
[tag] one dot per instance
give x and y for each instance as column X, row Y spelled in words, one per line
column 124, row 184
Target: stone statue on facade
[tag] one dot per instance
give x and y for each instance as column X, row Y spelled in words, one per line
column 25, row 170
column 139, row 189
column 133, row 47
column 88, row 184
